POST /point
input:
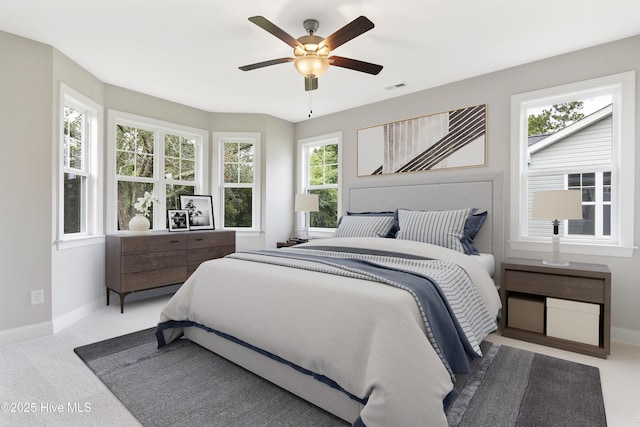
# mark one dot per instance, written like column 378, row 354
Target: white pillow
column 364, row 226
column 442, row 228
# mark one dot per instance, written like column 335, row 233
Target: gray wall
column 76, row 293
column 25, row 206
column 495, row 90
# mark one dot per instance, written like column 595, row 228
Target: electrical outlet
column 37, row 297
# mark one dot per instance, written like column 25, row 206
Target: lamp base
column 555, row 251
column 557, row 263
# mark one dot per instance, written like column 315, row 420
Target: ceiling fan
column 311, row 52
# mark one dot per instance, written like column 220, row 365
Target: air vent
column 397, row 86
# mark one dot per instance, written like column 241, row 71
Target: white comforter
column 368, row 337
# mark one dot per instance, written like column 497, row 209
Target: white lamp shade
column 306, row 203
column 557, row 204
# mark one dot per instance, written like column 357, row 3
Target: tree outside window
column 79, row 171
column 239, row 181
column 163, row 159
column 135, row 149
column 75, row 171
column 321, row 176
column 179, row 169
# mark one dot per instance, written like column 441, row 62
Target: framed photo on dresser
column 200, row 211
column 178, row 220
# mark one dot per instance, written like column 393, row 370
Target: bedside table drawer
column 554, row 285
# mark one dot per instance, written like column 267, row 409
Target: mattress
column 487, row 261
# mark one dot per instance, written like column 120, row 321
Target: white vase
column 139, row 223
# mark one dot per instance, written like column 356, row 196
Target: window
column 596, row 204
column 321, row 173
column 79, row 190
column 578, row 137
column 240, row 181
column 165, row 159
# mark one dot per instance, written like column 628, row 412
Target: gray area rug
column 185, row 384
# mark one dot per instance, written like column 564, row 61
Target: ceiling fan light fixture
column 311, row 65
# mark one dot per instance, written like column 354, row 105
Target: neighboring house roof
column 535, row 138
column 539, row 142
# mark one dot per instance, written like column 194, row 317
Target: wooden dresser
column 137, row 262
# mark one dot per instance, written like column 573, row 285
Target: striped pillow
column 391, row 233
column 442, row 228
column 364, row 226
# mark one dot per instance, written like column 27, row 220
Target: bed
column 354, row 323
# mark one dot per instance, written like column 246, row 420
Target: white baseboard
column 67, row 319
column 24, row 333
column 37, row 330
column 628, row 336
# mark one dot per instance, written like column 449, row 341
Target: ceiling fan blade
column 266, row 63
column 354, row 64
column 272, row 28
column 350, row 31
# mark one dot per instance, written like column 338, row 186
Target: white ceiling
column 189, row 51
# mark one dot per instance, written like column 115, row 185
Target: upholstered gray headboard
column 485, row 192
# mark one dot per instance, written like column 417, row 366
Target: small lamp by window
column 306, row 203
column 557, row 205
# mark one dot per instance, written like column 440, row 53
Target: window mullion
column 599, row 206
column 159, row 186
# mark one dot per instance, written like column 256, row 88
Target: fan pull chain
column 310, row 105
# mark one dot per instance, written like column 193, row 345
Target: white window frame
column 304, row 146
column 622, row 86
column 218, row 180
column 598, row 204
column 92, row 212
column 160, row 128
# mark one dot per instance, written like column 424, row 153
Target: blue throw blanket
column 443, row 329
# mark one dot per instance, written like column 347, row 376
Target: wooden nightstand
column 285, row 244
column 291, row 242
column 585, row 283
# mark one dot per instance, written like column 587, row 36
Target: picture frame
column 448, row 140
column 200, row 210
column 178, row 219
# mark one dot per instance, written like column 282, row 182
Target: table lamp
column 306, row 203
column 557, row 205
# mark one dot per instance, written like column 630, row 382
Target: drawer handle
column 199, row 239
column 175, row 241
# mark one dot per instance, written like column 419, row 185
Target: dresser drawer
column 153, row 243
column 149, row 279
column 212, row 238
column 554, row 285
column 152, row 261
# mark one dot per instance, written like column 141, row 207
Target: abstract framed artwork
column 452, row 139
column 200, row 210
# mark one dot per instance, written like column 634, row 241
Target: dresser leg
column 122, row 295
